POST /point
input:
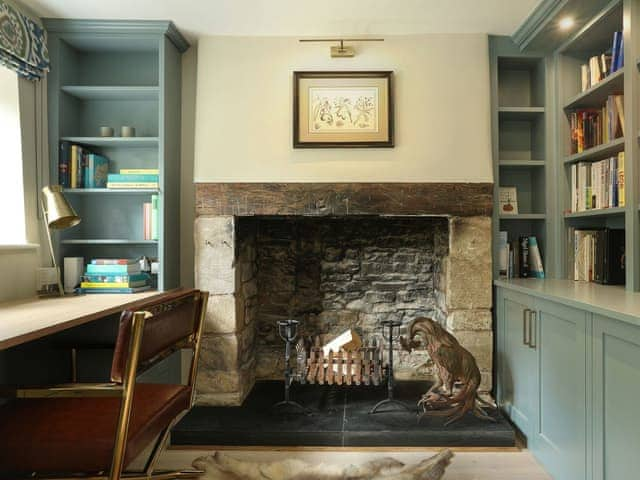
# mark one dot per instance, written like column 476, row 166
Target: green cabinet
column 516, row 361
column 616, row 392
column 570, row 380
column 559, row 437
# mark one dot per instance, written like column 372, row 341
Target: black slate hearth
column 339, row 417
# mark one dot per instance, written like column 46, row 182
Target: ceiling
column 305, row 17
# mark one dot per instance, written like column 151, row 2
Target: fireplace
column 335, row 257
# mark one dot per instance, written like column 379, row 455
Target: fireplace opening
column 339, row 274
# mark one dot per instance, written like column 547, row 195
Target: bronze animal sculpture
column 455, row 367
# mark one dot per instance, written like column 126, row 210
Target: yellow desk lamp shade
column 60, row 214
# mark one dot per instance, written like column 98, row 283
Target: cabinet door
column 559, row 440
column 616, row 387
column 517, row 362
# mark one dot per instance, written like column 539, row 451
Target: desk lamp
column 58, row 214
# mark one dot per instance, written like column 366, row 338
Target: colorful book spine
column 615, row 50
column 134, row 185
column 96, row 171
column 113, row 284
column 621, row 189
column 536, row 269
column 115, row 290
column 73, row 183
column 64, row 159
column 139, row 171
column 135, row 277
column 141, row 178
column 146, row 221
column 155, row 221
column 114, row 261
column 113, row 269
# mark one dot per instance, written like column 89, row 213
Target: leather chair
column 98, row 429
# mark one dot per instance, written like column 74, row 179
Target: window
column 12, row 221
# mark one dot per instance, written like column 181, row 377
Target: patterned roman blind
column 23, row 42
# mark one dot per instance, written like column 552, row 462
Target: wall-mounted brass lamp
column 342, row 51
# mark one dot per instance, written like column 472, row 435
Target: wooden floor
column 468, row 464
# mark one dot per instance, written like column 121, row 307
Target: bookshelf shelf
column 600, row 212
column 597, row 95
column 110, row 191
column 115, row 142
column 85, row 92
column 599, row 152
column 520, row 113
column 108, row 241
column 524, row 216
column 521, row 163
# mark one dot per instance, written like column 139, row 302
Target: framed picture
column 342, row 109
column 508, row 200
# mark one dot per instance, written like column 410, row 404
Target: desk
column 29, row 319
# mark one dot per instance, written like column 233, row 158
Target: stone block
column 214, row 254
column 470, row 237
column 224, row 388
column 222, row 315
column 469, row 320
column 468, row 283
column 219, row 352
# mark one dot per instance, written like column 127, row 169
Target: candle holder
column 390, row 324
column 288, row 331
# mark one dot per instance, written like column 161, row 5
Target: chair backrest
column 174, row 323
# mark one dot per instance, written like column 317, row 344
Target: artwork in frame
column 342, row 109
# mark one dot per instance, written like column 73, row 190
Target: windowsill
column 20, row 247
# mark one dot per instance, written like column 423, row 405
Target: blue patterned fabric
column 23, row 43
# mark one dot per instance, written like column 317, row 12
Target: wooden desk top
column 29, row 319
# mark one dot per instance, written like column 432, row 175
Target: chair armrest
column 65, row 390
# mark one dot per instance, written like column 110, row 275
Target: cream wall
column 244, row 111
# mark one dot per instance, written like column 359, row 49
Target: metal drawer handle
column 532, row 329
column 525, row 329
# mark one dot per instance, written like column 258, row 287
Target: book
column 96, row 171
column 114, row 261
column 146, row 220
column 503, row 254
column 536, row 268
column 596, row 185
column 97, row 278
column 73, row 183
column 132, row 178
column 124, row 185
column 139, row 171
column 620, row 183
column 615, row 51
column 115, row 290
column 524, row 256
column 112, row 269
column 131, row 284
column 599, row 256
column 508, row 200
column 64, row 159
column 155, row 220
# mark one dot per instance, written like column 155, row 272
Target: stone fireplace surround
column 242, row 240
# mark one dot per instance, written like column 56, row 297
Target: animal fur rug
column 221, row 466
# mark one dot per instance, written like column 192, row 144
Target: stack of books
column 78, row 167
column 601, row 66
column 114, row 275
column 598, row 185
column 598, row 255
column 521, row 258
column 594, row 126
column 134, row 178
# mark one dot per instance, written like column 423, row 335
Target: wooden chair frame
column 125, row 390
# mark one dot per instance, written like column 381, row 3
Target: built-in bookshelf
column 519, row 105
column 118, row 73
column 533, row 147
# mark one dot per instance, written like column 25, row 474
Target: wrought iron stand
column 288, row 331
column 390, row 324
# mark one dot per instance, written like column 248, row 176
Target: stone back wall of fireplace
column 333, row 274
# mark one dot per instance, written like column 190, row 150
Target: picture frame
column 508, row 200
column 343, row 109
